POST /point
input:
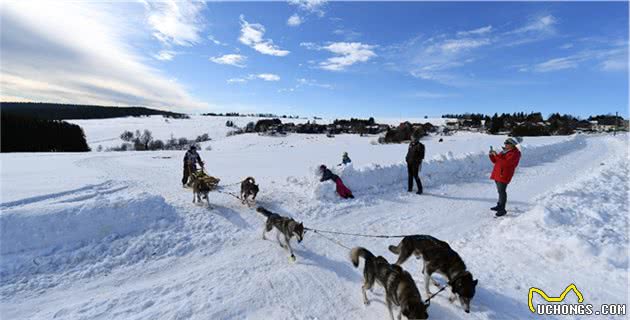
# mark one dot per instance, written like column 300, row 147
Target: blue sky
column 322, row 58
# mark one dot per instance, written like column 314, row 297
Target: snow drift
column 442, row 169
column 72, row 227
column 71, row 221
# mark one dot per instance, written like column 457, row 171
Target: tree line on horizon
column 59, row 111
column 533, row 123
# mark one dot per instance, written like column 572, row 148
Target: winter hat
column 193, row 147
column 345, row 154
column 322, row 167
column 512, row 141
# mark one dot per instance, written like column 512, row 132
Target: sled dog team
column 400, row 288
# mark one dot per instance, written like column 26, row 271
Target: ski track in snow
column 178, row 260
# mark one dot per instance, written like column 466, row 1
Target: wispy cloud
column 294, row 20
column 544, row 23
column 614, row 58
column 233, row 59
column 259, row 76
column 215, row 41
column 236, row 80
column 304, row 82
column 310, row 6
column 165, row 55
column 313, row 83
column 429, row 95
column 252, row 36
column 619, row 63
column 478, row 31
column 538, row 28
column 347, row 34
column 268, row 77
column 456, row 45
column 557, row 64
column 86, row 59
column 346, row 54
column 176, row 22
column 440, row 57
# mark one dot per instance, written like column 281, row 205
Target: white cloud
column 347, row 34
column 346, row 54
column 478, row 31
column 614, row 58
column 215, row 41
column 556, row 64
column 236, row 60
column 313, row 83
column 566, row 46
column 619, row 63
column 252, row 36
column 260, row 76
column 165, row 55
column 86, row 59
column 304, row 82
column 294, row 20
column 456, row 45
column 310, row 6
column 176, row 22
column 268, row 77
column 236, row 80
column 538, row 24
column 429, row 95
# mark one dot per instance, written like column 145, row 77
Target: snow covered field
column 112, row 235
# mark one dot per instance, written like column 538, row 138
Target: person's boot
column 419, row 191
column 495, row 208
column 500, row 212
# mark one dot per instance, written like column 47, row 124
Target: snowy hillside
column 112, row 235
column 106, row 132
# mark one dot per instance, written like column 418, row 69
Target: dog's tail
column 251, row 179
column 357, row 252
column 264, row 212
column 396, row 249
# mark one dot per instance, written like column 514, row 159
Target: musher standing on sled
column 190, row 160
column 505, row 164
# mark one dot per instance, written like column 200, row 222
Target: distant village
column 516, row 124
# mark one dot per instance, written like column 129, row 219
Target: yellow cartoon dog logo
column 552, row 299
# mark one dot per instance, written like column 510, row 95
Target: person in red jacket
column 505, row 164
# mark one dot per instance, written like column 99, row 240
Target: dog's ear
column 475, row 283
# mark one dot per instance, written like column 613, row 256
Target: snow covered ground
column 112, row 235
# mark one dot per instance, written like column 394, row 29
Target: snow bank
column 442, row 169
column 70, row 227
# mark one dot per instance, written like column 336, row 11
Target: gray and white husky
column 400, row 289
column 438, row 256
column 285, row 226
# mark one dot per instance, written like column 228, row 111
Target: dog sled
column 200, row 175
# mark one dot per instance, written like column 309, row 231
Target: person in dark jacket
column 191, row 159
column 342, row 190
column 415, row 155
column 345, row 159
column 505, row 164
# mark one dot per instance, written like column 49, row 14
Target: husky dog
column 248, row 188
column 400, row 289
column 200, row 190
column 285, row 226
column 438, row 256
